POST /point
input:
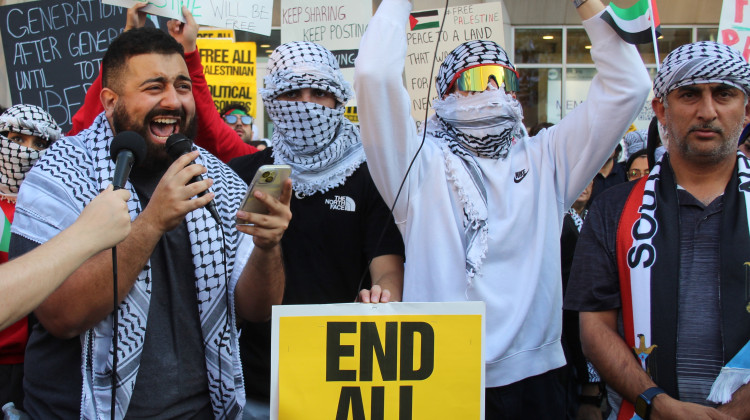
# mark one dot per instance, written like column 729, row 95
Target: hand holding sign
column 185, row 33
column 136, row 18
column 244, row 15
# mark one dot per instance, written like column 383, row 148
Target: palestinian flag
column 634, row 23
column 424, row 20
column 4, row 232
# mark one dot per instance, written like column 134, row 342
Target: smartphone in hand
column 269, row 179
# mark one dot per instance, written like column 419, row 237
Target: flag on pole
column 636, row 24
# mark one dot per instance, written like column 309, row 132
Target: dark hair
column 539, row 127
column 634, row 156
column 234, row 105
column 653, row 142
column 135, row 42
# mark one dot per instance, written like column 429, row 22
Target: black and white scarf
column 72, row 172
column 321, row 145
column 485, row 124
column 17, row 160
column 648, row 264
column 702, row 62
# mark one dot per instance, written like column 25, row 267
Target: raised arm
column 213, row 134
column 585, row 138
column 388, row 131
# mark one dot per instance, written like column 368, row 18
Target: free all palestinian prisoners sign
column 229, row 68
column 374, row 362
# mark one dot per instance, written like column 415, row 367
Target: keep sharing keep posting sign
column 374, row 362
column 242, row 15
column 734, row 26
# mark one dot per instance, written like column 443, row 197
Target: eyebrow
column 162, row 79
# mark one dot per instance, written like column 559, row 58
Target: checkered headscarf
column 17, row 160
column 699, row 63
column 321, row 145
column 466, row 55
column 30, row 120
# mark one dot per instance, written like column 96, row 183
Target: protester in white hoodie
column 482, row 207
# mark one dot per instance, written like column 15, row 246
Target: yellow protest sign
column 230, row 71
column 374, row 362
column 216, row 33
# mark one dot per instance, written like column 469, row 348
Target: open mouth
column 163, row 127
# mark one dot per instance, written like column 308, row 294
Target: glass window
column 537, row 46
column 540, row 94
column 672, row 38
column 579, row 47
column 708, row 34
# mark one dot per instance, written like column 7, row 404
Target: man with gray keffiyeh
column 482, row 206
column 183, row 276
column 662, row 269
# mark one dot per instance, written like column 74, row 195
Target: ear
column 747, row 112
column 109, row 99
column 659, row 110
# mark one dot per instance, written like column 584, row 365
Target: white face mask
column 487, row 123
column 15, row 162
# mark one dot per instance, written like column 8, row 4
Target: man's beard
column 157, row 159
column 717, row 154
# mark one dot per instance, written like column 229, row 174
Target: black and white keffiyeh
column 30, row 120
column 17, row 160
column 321, row 145
column 70, row 174
column 699, row 63
column 481, row 125
column 469, row 54
column 15, row 163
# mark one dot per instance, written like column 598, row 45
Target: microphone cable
column 414, row 158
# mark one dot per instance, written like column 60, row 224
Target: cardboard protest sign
column 388, row 361
column 216, row 33
column 242, row 15
column 53, row 51
column 335, row 24
column 462, row 23
column 230, row 71
column 734, row 26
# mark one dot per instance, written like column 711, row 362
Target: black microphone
column 126, row 149
column 177, row 145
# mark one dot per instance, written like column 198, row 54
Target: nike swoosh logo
column 520, row 175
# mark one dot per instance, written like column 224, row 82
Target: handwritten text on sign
column 242, row 15
column 53, row 51
column 462, row 23
column 366, row 365
column 734, row 26
column 335, row 24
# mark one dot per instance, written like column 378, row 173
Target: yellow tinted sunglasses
column 476, row 79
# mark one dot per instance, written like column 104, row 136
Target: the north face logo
column 342, row 203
